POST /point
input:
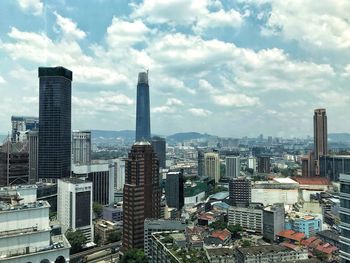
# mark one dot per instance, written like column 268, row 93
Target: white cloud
column 235, row 100
column 204, row 85
column 69, row 28
column 199, row 112
column 2, row 80
column 163, row 109
column 174, row 102
column 34, row 6
column 333, row 98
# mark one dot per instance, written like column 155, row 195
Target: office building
column 105, row 229
column 119, row 180
column 159, row 146
column 201, row 164
column 25, row 232
column 33, row 147
column 249, row 218
column 240, row 191
column 308, row 165
column 74, row 206
column 212, row 166
column 81, row 147
column 333, row 165
column 14, row 163
column 264, row 164
column 142, row 193
column 55, row 92
column 252, row 163
column 143, row 119
column 344, row 213
column 320, row 136
column 159, row 225
column 174, row 190
column 102, row 178
column 273, row 221
column 233, row 167
column 21, row 124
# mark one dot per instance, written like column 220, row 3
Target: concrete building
column 74, row 206
column 104, row 229
column 55, row 119
column 159, row 225
column 264, row 164
column 33, row 147
column 273, row 221
column 102, row 178
column 142, row 193
column 320, row 136
column 212, row 166
column 119, row 180
column 25, row 232
column 333, row 165
column 81, row 147
column 308, row 165
column 307, row 224
column 250, row 218
column 174, row 190
column 240, row 191
column 233, row 166
column 22, row 124
column 159, row 146
column 252, row 163
column 344, row 214
column 220, row 255
column 201, row 164
column 114, row 214
column 269, row 253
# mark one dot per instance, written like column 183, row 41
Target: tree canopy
column 98, row 209
column 76, row 240
column 134, row 256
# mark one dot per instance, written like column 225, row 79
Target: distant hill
column 185, row 136
column 339, row 137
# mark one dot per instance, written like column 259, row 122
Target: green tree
column 235, row 230
column 98, row 240
column 76, row 240
column 246, row 243
column 320, row 255
column 218, row 225
column 98, row 209
column 115, row 236
column 134, row 256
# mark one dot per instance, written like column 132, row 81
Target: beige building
column 105, row 229
column 212, row 166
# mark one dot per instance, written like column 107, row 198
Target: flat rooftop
column 5, row 207
column 257, row 250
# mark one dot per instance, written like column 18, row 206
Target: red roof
column 289, row 245
column 206, row 217
column 312, row 180
column 307, row 242
column 292, row 235
column 221, row 234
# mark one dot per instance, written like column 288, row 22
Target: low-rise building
column 273, row 221
column 105, row 229
column 220, row 255
column 114, row 214
column 250, row 218
column 307, row 224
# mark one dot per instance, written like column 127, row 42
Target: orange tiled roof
column 292, row 235
column 221, row 234
column 289, row 245
column 312, row 180
column 308, row 242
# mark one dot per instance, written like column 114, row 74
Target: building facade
column 33, row 147
column 252, row 163
column 320, row 136
column 159, row 146
column 21, row 124
column 273, row 221
column 174, row 190
column 240, row 191
column 212, row 166
column 142, row 193
column 201, row 163
column 55, row 94
column 333, row 165
column 81, row 147
column 250, row 218
column 264, row 164
column 233, row 166
column 344, row 214
column 143, row 119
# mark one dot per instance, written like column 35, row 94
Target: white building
column 233, row 166
column 74, row 206
column 212, row 166
column 250, row 218
column 252, row 163
column 81, row 147
column 119, row 174
column 25, row 233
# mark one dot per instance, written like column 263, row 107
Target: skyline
column 255, row 72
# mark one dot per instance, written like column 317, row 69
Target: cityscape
column 90, row 173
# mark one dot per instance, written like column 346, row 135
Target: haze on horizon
column 227, row 68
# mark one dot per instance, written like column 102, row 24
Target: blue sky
column 225, row 67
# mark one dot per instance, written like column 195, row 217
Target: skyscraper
column 174, row 190
column 320, row 136
column 240, row 191
column 233, row 166
column 142, row 193
column 344, row 214
column 201, row 165
column 81, row 147
column 212, row 166
column 143, row 122
column 55, row 92
column 33, row 144
column 264, row 164
column 159, row 146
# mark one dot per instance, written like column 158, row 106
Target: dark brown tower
column 320, row 136
column 142, row 193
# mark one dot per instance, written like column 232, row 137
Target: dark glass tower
column 320, row 136
column 159, row 146
column 143, row 122
column 55, row 92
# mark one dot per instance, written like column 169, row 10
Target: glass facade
column 332, row 166
column 54, row 155
column 143, row 122
column 344, row 214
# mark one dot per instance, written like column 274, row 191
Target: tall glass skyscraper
column 143, row 122
column 55, row 92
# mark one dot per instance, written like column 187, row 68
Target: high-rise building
column 174, row 190
column 21, row 124
column 55, row 92
column 344, row 213
column 308, row 165
column 320, row 136
column 14, row 163
column 142, row 193
column 201, row 165
column 102, row 178
column 331, row 166
column 143, row 119
column 74, row 206
column 273, row 221
column 33, row 145
column 233, row 167
column 119, row 171
column 212, row 166
column 264, row 164
column 159, row 146
column 81, row 147
column 252, row 163
column 240, row 191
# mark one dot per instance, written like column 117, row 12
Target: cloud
column 2, row 80
column 199, row 112
column 69, row 28
column 163, row 109
column 204, row 85
column 174, row 102
column 235, row 100
column 33, row 6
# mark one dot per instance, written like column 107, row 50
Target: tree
column 115, row 236
column 218, row 225
column 246, row 243
column 320, row 255
column 76, row 240
column 98, row 209
column 235, row 229
column 134, row 256
column 97, row 240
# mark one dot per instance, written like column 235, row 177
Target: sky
column 231, row 68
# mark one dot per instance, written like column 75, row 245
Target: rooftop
column 220, row 252
column 6, row 207
column 265, row 249
column 312, row 180
column 220, row 195
column 292, row 235
column 221, row 234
